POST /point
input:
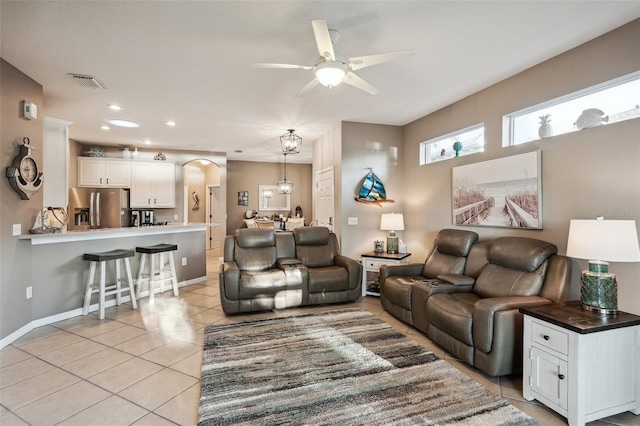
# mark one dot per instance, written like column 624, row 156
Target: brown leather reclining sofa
column 265, row 270
column 466, row 295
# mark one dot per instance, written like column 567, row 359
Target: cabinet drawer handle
column 561, row 376
column 546, row 337
column 100, row 180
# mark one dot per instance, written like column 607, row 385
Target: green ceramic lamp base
column 392, row 243
column 599, row 289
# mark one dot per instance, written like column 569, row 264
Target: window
column 471, row 141
column 606, row 103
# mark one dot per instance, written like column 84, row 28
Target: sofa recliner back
column 266, row 270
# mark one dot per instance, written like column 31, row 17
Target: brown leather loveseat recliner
column 265, row 270
column 475, row 315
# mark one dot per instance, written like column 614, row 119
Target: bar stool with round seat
column 102, row 287
column 157, row 272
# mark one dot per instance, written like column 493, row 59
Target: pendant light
column 285, row 186
column 290, row 142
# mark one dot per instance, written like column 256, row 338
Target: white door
column 214, row 231
column 324, row 198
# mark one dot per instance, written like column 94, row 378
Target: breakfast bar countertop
column 105, row 233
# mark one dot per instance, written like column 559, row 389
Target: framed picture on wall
column 505, row 192
column 243, row 198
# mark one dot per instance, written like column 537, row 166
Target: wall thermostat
column 29, row 110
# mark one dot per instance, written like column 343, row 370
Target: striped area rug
column 336, row 367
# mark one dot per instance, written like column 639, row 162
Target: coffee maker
column 146, row 217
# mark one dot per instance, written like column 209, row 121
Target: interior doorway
column 214, row 215
column 324, row 213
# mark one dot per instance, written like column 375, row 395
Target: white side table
column 371, row 263
column 583, row 365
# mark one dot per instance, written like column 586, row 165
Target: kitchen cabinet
column 153, row 185
column 103, row 173
column 582, row 365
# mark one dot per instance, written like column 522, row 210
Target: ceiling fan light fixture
column 291, row 143
column 330, row 73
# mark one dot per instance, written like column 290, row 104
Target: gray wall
column 15, row 256
column 584, row 174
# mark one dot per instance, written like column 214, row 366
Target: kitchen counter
column 106, row 233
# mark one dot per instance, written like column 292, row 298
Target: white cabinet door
column 118, row 174
column 90, row 173
column 163, row 185
column 549, row 377
column 153, row 185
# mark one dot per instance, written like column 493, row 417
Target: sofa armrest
column 230, row 280
column 288, row 262
column 483, row 316
column 354, row 269
column 457, row 279
column 400, row 269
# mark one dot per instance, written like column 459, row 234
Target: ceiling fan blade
column 356, row 81
column 306, row 89
column 285, row 66
column 360, row 62
column 323, row 39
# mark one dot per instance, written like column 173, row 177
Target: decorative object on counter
column 372, row 190
column 135, row 154
column 160, row 157
column 291, row 143
column 285, row 186
column 23, row 175
column 299, row 211
column 457, row 147
column 392, row 222
column 591, row 117
column 243, row 198
column 126, row 154
column 196, row 201
column 60, row 219
column 378, row 246
column 504, row 192
column 250, row 214
column 41, row 224
column 545, row 130
column 604, row 241
column 96, row 151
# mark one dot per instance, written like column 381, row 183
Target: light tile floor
column 143, row 367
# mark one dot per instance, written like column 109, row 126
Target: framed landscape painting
column 505, row 192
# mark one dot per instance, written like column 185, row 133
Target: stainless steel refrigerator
column 93, row 208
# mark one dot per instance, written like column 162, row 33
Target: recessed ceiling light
column 123, row 123
column 105, row 127
column 170, row 123
column 147, row 142
column 115, row 107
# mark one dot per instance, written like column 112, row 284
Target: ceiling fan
column 331, row 71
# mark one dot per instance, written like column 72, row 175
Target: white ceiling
column 189, row 61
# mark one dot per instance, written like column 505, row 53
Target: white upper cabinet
column 153, row 185
column 103, row 173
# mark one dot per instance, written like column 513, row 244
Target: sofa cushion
column 525, row 254
column 498, row 281
column 456, row 242
column 453, row 314
column 254, row 237
column 261, row 283
column 397, row 289
column 327, row 279
column 311, row 236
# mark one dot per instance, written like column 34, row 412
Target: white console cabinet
column 582, row 365
column 103, row 173
column 153, row 185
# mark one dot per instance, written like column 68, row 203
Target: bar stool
column 157, row 272
column 108, row 289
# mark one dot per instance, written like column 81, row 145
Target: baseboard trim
column 78, row 312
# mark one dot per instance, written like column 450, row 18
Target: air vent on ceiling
column 87, row 81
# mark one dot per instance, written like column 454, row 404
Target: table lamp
column 603, row 241
column 392, row 222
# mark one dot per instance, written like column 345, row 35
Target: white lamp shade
column 605, row 240
column 330, row 73
column 392, row 222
